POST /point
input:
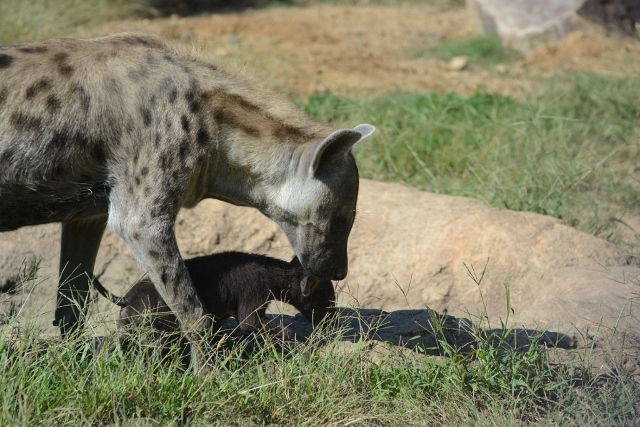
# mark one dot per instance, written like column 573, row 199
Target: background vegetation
column 569, row 152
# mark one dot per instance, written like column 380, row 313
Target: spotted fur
column 126, row 129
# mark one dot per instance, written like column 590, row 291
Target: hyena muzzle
column 126, row 129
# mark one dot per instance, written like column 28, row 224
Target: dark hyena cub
column 125, row 130
column 232, row 284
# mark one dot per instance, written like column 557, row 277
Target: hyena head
column 316, row 205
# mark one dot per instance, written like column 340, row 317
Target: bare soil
column 368, row 49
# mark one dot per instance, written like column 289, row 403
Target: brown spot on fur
column 202, row 137
column 146, row 116
column 24, row 122
column 141, row 40
column 5, row 60
column 283, row 131
column 53, row 104
column 104, row 55
column 226, row 117
column 155, row 212
column 163, row 276
column 173, row 95
column 147, row 191
column 184, row 121
column 137, row 74
column 85, row 99
column 58, row 141
column 183, row 149
column 130, row 189
column 113, row 84
column 60, row 60
column 40, row 85
column 136, row 235
column 4, row 94
column 157, row 140
column 162, row 161
column 241, row 102
column 144, row 171
column 33, row 49
column 137, row 180
column 169, row 58
column 167, row 86
column 130, row 125
column 154, row 254
column 231, row 116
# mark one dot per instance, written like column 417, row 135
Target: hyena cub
column 125, row 130
column 232, row 284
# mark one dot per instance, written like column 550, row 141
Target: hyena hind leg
column 80, row 241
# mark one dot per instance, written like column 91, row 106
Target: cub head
column 316, row 205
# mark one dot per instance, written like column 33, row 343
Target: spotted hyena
column 126, row 129
column 234, row 284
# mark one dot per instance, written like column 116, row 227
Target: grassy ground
column 59, row 383
column 571, row 152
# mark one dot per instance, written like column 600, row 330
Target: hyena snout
column 330, row 266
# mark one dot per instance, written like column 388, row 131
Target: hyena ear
column 334, row 147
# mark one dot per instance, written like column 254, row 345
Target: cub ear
column 308, row 285
column 334, row 147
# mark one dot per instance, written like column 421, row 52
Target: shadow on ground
column 413, row 329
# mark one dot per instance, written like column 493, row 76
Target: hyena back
column 126, row 129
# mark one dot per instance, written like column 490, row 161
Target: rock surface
column 521, row 24
column 409, row 250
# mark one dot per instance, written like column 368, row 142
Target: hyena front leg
column 80, row 241
column 150, row 235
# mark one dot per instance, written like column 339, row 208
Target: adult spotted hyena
column 126, row 129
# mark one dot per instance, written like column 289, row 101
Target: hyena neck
column 258, row 142
column 251, row 173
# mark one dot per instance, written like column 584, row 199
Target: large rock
column 408, row 250
column 521, row 24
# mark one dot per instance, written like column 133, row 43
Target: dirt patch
column 351, row 50
column 583, row 51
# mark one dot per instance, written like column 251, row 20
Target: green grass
column 483, row 51
column 569, row 152
column 60, row 384
column 28, row 20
